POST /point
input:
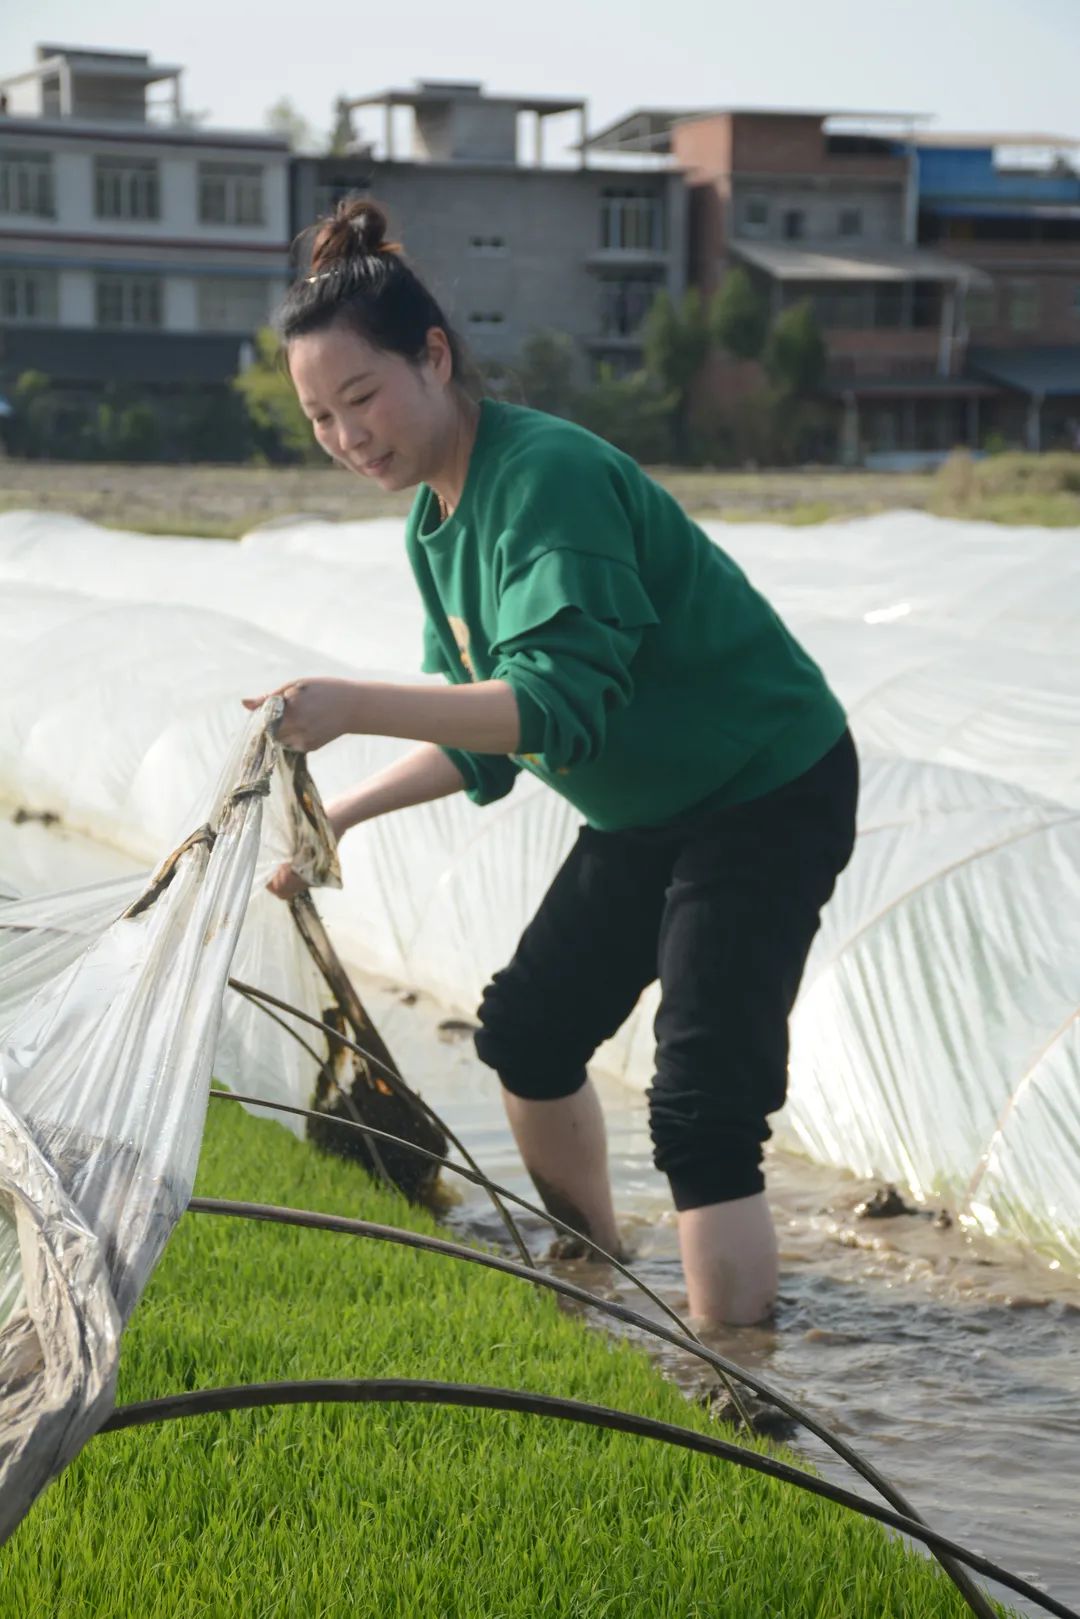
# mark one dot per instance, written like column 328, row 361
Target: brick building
column 944, row 270
column 138, row 245
column 1010, row 205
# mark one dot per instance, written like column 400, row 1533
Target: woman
column 590, row 633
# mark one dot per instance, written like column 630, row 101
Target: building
column 135, row 245
column 823, row 207
column 1010, row 205
column 511, row 243
column 138, row 246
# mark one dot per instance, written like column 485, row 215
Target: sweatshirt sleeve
column 569, row 625
column 487, row 776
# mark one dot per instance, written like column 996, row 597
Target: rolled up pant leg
column 740, row 916
column 579, row 968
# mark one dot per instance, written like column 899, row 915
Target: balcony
column 614, row 259
column 884, row 355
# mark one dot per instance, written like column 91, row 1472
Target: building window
column 28, row 296
column 794, row 224
column 126, row 190
column 485, row 319
column 850, row 222
column 624, row 305
column 755, row 216
column 1023, row 306
column 230, row 194
column 128, row 300
column 26, row 184
column 488, row 247
column 981, row 308
column 228, row 305
column 331, row 192
column 631, row 220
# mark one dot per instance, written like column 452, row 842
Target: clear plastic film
column 935, row 1040
column 110, row 1026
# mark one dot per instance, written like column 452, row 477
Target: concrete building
column 134, row 245
column 513, row 244
column 823, row 207
column 1010, row 204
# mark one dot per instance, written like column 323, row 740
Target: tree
column 630, row 412
column 342, row 134
column 285, row 119
column 282, row 428
column 546, row 372
column 34, row 407
column 677, row 342
column 739, row 317
column 795, row 354
column 212, row 424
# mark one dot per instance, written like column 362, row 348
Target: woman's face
column 373, row 411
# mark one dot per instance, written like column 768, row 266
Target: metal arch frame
column 976, row 1600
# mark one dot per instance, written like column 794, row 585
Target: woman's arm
column 421, row 776
column 481, row 718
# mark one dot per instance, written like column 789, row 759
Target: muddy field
column 224, row 502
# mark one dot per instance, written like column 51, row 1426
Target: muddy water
column 954, row 1365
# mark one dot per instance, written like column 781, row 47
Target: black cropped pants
column 722, row 906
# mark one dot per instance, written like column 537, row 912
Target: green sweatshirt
column 649, row 674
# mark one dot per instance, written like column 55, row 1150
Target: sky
column 1002, row 65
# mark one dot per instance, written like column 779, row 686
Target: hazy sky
column 975, row 64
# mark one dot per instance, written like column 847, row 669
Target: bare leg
column 729, row 1261
column 564, row 1147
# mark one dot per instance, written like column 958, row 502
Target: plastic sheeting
column 110, row 1014
column 936, row 1040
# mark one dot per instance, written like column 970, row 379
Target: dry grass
column 224, row 502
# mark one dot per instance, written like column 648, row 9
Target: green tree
column 739, row 317
column 342, row 134
column 138, row 433
column 633, row 413
column 677, row 342
column 795, row 354
column 282, row 430
column 34, row 405
column 285, row 119
column 212, row 424
column 546, row 372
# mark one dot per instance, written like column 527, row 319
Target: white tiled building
column 133, row 244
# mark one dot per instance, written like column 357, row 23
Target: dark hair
column 362, row 280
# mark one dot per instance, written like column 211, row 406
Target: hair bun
column 357, row 229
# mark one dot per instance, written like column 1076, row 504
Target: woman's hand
column 317, row 711
column 286, row 883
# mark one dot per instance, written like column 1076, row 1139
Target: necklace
column 444, row 510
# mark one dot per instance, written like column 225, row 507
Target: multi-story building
column 823, row 207
column 137, row 245
column 513, row 244
column 1010, row 204
column 944, row 270
column 134, row 245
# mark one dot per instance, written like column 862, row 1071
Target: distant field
column 224, row 502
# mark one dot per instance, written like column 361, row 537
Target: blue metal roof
column 955, row 173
